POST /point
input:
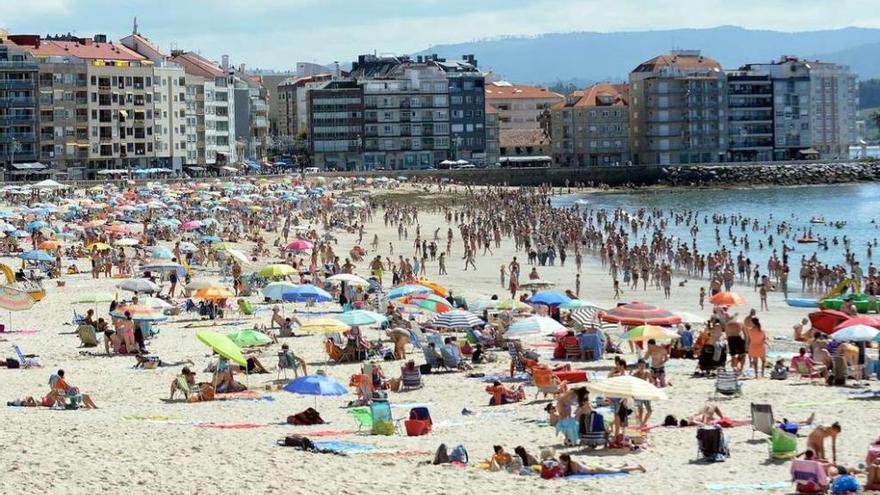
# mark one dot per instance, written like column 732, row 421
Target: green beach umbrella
column 222, row 345
column 249, row 338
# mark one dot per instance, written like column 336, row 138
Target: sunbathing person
column 503, row 395
column 569, row 467
column 26, row 402
column 816, row 441
column 526, row 458
column 705, row 416
column 292, row 360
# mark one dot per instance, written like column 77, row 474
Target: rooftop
column 503, row 90
column 598, row 95
column 84, row 48
column 681, row 60
column 195, row 64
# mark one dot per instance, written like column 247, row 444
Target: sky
column 276, row 34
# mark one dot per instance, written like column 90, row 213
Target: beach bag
column 779, row 374
column 12, row 363
column 441, row 456
column 549, row 469
column 459, row 454
column 298, row 442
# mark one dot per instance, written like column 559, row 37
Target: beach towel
column 231, row 426
column 746, row 487
column 245, row 395
column 593, row 476
column 396, row 453
column 346, row 447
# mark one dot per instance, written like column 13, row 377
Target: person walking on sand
column 441, row 262
column 469, row 260
column 577, row 284
column 616, row 289
column 503, row 275
column 702, row 298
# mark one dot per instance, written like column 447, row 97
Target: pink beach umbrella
column 192, row 225
column 299, row 245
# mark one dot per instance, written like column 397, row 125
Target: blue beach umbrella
column 306, row 293
column 36, row 255
column 315, row 385
column 276, row 290
column 360, row 317
column 550, row 298
column 408, row 290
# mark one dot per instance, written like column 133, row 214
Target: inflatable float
column 801, row 302
column 861, row 301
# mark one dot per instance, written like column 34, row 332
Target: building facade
column 591, row 127
column 18, row 109
column 750, row 106
column 251, row 116
column 814, row 107
column 678, row 110
column 336, row 125
column 520, row 106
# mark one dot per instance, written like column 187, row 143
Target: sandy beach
column 137, row 443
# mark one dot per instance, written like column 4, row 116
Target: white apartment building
column 169, row 116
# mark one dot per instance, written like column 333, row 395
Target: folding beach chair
column 545, row 381
column 727, row 383
column 592, row 430
column 410, row 379
column 762, row 419
column 87, row 335
column 362, row 416
column 809, row 476
column 712, row 444
column 24, row 360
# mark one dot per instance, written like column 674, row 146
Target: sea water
column 856, row 204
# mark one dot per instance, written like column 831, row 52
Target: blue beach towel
column 594, row 476
column 347, row 447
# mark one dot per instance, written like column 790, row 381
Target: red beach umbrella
column 827, row 320
column 636, row 313
column 871, row 321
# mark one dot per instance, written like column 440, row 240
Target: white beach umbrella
column 348, row 278
column 626, row 387
column 138, row 285
column 534, row 325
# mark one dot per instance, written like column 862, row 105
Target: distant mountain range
column 588, row 57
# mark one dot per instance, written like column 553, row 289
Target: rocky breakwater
column 779, row 174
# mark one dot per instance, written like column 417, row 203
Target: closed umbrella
column 456, row 319
column 626, row 387
column 222, row 345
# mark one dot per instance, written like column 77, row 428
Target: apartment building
column 493, row 152
column 520, row 106
column 467, row 127
column 750, row 106
column 169, row 103
column 293, row 105
column 678, row 110
column 251, row 114
column 209, row 87
column 814, row 107
column 18, row 112
column 336, row 125
column 590, row 127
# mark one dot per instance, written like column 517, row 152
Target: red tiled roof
column 86, row 49
column 686, row 62
column 490, row 108
column 197, row 65
column 598, row 95
column 496, row 91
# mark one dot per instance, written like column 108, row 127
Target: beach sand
column 137, row 443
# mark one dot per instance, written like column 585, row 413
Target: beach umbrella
column 437, row 288
column 299, row 245
column 222, row 345
column 827, row 320
column 577, row 303
column 249, row 338
column 727, row 299
column 856, row 333
column 430, row 302
column 138, row 312
column 14, row 300
column 498, row 305
column 408, row 290
column 324, row 325
column 48, row 184
column 155, row 303
column 191, row 225
column 536, row 284
column 276, row 271
column 48, row 245
column 199, row 284
column 213, row 293
column 648, row 332
column 138, row 285
column 306, row 293
column 36, row 255
column 164, row 266
column 209, row 238
column 238, row 256
column 188, row 247
column 534, row 325
column 161, row 253
column 98, row 246
column 360, row 317
column 222, row 246
column 116, row 229
column 95, row 298
column 275, row 291
column 871, row 321
column 550, row 298
column 36, row 224
column 126, row 242
column 626, row 386
column 635, row 313
column 316, row 385
column 349, row 279
column 456, row 319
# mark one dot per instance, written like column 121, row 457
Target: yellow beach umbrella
column 324, row 325
column 276, row 271
column 99, row 246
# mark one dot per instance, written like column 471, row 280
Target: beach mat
column 747, row 487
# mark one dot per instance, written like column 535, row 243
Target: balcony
column 16, row 84
column 17, row 119
column 18, row 136
column 18, row 64
column 16, row 102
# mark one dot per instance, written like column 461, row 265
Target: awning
column 112, row 171
column 29, row 166
column 808, row 151
column 229, row 169
column 516, row 159
column 197, row 169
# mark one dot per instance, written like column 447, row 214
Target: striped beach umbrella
column 360, row 318
column 408, row 290
column 138, row 312
column 626, row 386
column 534, row 325
column 635, row 314
column 430, row 302
column 456, row 319
column 14, row 299
column 648, row 332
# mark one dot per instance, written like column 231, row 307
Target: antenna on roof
column 134, row 27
